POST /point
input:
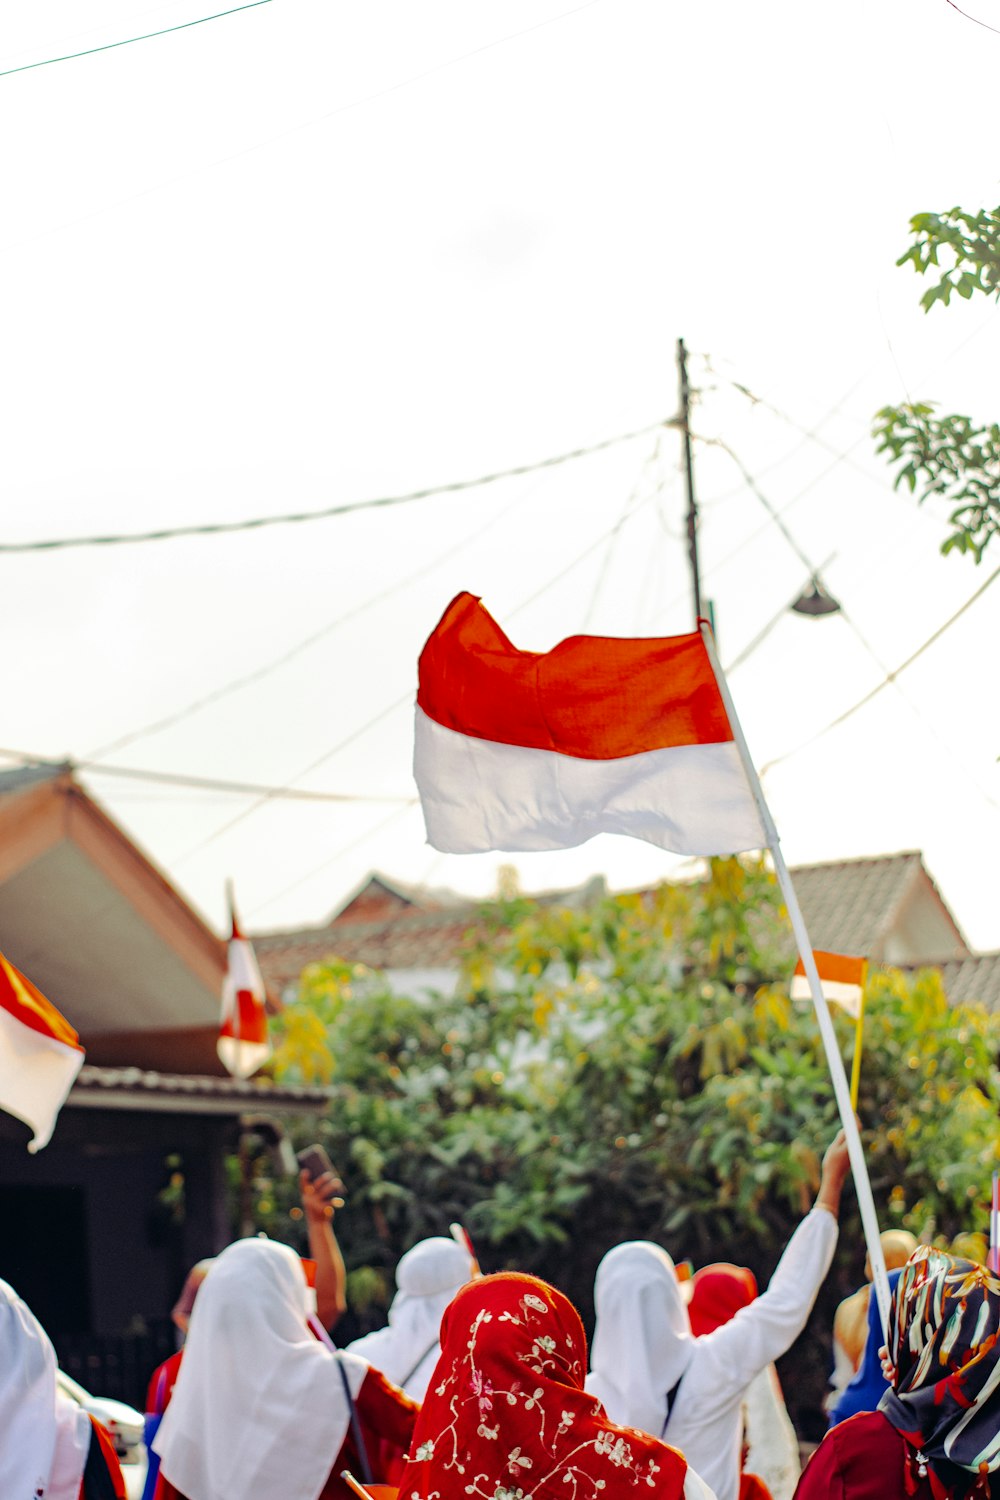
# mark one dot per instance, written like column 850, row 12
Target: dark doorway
column 44, row 1254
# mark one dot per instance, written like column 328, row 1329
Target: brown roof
column 377, row 898
column 421, row 940
column 415, row 928
column 850, row 905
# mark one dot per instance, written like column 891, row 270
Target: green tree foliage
column 950, row 458
column 632, row 1068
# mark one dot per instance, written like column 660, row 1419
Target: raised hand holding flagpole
column 842, row 1092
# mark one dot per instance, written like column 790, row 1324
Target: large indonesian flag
column 520, row 750
column 841, row 977
column 40, row 1055
column 244, row 1044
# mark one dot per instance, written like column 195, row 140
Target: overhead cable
column 218, row 528
column 167, row 721
column 201, row 783
column 397, row 703
column 772, row 511
column 886, row 681
column 127, row 41
column 331, row 859
column 976, row 19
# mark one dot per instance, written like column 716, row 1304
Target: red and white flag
column 841, row 976
column 40, row 1055
column 244, row 1044
column 520, row 750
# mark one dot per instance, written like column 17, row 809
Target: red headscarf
column 718, row 1293
column 506, row 1415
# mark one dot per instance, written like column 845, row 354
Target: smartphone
column 316, row 1162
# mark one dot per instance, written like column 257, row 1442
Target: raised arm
column 318, row 1198
column 762, row 1332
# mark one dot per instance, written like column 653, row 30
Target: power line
column 127, row 41
column 330, row 860
column 270, row 794
column 771, row 510
column 306, row 124
column 765, row 631
column 812, row 435
column 886, row 681
column 202, row 783
column 397, row 703
column 976, row 19
column 218, row 528
column 247, row 678
column 630, row 501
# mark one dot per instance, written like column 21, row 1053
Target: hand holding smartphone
column 324, row 1179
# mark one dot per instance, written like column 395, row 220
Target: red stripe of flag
column 592, row 697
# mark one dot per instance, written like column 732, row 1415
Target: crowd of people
column 480, row 1387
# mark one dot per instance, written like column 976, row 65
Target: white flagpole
column 841, row 1089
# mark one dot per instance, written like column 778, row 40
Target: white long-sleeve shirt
column 643, row 1347
column 706, row 1419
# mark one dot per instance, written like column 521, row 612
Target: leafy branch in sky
column 950, row 458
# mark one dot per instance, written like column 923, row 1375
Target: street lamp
column 815, row 600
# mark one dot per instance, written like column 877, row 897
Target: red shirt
column 864, row 1458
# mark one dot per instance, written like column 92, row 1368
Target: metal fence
column 118, row 1365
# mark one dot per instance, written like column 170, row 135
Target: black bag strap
column 410, row 1373
column 359, row 1440
column 671, row 1398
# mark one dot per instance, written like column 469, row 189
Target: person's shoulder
column 850, row 1323
column 866, row 1432
column 851, row 1306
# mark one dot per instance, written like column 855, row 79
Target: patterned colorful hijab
column 506, row 1416
column 944, row 1340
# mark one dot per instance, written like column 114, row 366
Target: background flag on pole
column 244, row 1044
column 842, row 978
column 40, row 1055
column 520, row 750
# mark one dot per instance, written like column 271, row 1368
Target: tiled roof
column 848, row 905
column 421, row 940
column 428, row 934
column 190, row 1093
column 377, row 895
column 976, row 978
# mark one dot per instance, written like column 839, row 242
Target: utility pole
column 692, row 513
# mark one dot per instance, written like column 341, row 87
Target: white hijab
column 427, row 1278
column 642, row 1335
column 259, row 1406
column 44, row 1437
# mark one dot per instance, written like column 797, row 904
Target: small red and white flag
column 244, row 1044
column 842, row 979
column 520, row 750
column 40, row 1055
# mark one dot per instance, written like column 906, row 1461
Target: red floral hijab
column 506, row 1416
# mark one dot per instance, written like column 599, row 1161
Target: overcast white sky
column 310, row 254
